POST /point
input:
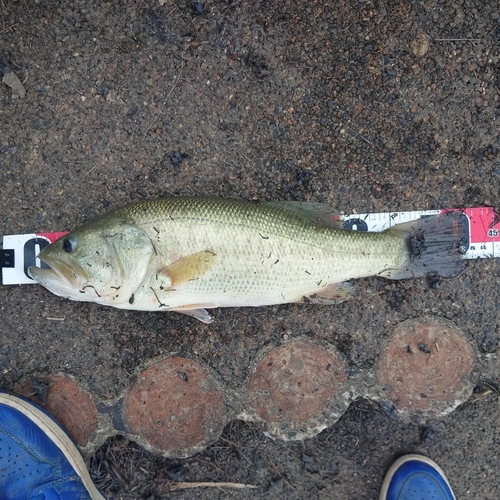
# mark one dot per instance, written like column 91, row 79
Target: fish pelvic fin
column 191, row 267
column 334, row 293
column 434, row 244
column 200, row 314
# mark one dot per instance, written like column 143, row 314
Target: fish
column 190, row 254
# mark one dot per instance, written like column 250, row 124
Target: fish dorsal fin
column 315, row 212
column 189, row 268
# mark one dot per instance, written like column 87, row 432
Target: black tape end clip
column 6, row 258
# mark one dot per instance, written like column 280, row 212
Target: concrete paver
column 426, row 367
column 176, row 406
column 60, row 396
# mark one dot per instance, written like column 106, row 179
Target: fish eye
column 69, row 244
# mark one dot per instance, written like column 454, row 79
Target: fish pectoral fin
column 200, row 314
column 189, row 268
column 334, row 293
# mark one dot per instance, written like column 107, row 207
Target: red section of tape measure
column 52, row 236
column 484, row 224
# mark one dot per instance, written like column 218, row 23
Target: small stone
column 275, row 487
column 177, row 473
column 428, row 435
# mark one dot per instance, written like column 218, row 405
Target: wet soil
column 367, row 106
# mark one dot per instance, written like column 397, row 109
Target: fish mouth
column 61, row 278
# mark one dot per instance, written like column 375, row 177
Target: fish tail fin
column 435, row 244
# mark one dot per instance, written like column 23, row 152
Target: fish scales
column 264, row 254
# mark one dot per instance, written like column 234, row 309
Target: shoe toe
column 417, row 479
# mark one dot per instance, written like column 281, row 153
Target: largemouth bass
column 189, row 254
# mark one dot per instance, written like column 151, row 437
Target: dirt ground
column 365, row 105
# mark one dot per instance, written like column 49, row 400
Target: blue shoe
column 38, row 460
column 415, row 477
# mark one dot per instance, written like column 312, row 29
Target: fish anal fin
column 334, row 293
column 188, row 268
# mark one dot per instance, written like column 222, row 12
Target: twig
column 213, row 465
column 491, row 386
column 458, row 39
column 92, row 169
column 227, row 441
column 117, row 473
column 172, row 11
column 364, row 139
column 9, row 27
column 185, row 486
column 280, row 474
column 177, row 79
column 237, row 448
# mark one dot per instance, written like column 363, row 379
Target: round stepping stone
column 425, row 368
column 296, row 390
column 175, row 408
column 66, row 402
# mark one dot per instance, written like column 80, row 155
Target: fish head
column 104, row 261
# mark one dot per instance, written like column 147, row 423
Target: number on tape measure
column 31, row 250
column 355, row 225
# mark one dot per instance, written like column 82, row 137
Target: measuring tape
column 483, row 227
column 482, row 240
column 20, row 251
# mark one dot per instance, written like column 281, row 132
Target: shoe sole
column 406, row 458
column 58, row 436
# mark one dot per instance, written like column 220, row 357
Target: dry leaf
column 420, row 46
column 18, row 90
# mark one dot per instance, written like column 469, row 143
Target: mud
column 367, row 106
